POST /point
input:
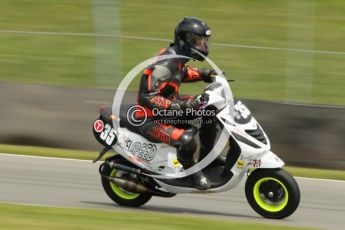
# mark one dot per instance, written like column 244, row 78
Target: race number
column 108, row 135
column 242, row 110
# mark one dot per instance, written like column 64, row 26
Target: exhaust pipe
column 114, row 165
column 133, row 187
column 129, row 186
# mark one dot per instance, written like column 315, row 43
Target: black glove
column 196, row 102
column 203, row 98
column 207, row 74
column 192, row 103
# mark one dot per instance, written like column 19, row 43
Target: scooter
column 140, row 168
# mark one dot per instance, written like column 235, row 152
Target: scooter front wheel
column 272, row 193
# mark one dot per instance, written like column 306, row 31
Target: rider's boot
column 199, row 179
column 186, row 158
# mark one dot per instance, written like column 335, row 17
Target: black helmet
column 192, row 33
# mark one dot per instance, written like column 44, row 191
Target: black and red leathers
column 159, row 89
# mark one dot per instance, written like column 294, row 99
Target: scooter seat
column 106, row 112
column 124, row 120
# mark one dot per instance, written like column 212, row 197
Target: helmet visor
column 198, row 42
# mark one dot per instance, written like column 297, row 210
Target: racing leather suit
column 159, row 89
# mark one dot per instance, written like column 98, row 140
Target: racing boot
column 200, row 181
column 185, row 155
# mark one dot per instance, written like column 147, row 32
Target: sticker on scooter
column 242, row 113
column 142, row 150
column 98, row 126
column 256, row 163
column 240, row 163
column 176, row 163
column 108, row 135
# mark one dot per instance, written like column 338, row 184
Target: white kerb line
column 169, row 40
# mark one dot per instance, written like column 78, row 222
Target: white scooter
column 141, row 169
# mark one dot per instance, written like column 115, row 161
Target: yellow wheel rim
column 264, row 201
column 120, row 191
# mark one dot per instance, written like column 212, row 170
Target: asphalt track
column 76, row 183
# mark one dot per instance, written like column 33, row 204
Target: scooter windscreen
column 220, row 89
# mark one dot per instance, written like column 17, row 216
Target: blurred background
column 60, row 60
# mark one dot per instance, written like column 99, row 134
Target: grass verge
column 13, row 216
column 89, row 155
column 263, row 74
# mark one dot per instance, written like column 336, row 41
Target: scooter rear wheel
column 120, row 195
column 272, row 193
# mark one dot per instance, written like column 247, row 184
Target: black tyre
column 273, row 193
column 120, row 195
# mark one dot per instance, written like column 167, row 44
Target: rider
column 159, row 90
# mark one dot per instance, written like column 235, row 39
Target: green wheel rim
column 270, row 207
column 121, row 192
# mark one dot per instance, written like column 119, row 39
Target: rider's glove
column 203, row 98
column 207, row 74
column 192, row 103
column 198, row 102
